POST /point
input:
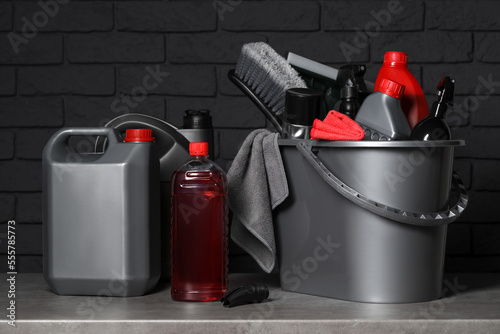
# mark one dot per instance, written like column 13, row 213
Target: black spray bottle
column 434, row 127
column 349, row 104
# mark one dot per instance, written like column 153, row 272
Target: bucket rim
column 375, row 144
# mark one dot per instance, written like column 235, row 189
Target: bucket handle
column 407, row 217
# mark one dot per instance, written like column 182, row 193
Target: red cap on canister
column 396, row 58
column 200, row 148
column 138, row 135
column 391, row 88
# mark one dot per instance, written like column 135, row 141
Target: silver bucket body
column 331, row 245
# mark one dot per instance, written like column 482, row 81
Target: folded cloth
column 256, row 185
column 337, row 126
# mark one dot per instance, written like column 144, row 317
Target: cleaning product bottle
column 413, row 102
column 302, row 107
column 199, row 245
column 349, row 104
column 101, row 214
column 434, row 127
column 197, row 127
column 381, row 116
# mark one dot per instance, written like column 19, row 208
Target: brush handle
column 318, row 69
column 312, row 66
column 256, row 100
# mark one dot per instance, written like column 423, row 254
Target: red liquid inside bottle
column 199, row 229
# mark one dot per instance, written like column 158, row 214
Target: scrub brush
column 264, row 76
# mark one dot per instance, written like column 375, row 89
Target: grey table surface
column 472, row 305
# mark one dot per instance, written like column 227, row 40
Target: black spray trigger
column 245, row 294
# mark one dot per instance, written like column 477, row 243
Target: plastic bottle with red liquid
column 199, row 247
column 413, row 102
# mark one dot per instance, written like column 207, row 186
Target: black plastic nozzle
column 245, row 294
column 445, row 93
column 197, row 119
column 355, row 74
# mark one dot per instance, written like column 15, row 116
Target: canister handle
column 171, row 146
column 399, row 215
column 62, row 135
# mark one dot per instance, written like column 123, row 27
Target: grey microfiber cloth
column 257, row 184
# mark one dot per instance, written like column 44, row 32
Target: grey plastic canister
column 366, row 221
column 101, row 216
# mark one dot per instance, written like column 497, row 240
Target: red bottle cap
column 138, row 135
column 396, row 58
column 198, row 148
column 391, row 88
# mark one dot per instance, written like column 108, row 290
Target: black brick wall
column 86, row 55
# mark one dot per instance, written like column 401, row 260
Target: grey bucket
column 366, row 221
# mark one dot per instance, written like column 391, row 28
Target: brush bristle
column 268, row 74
